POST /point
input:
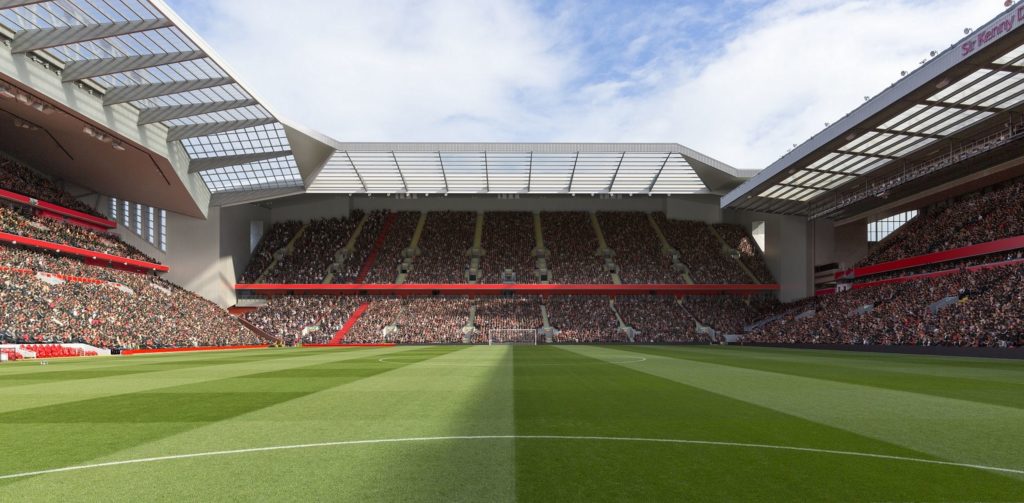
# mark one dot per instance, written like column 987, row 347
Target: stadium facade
column 134, row 113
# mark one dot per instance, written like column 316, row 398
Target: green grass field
column 526, row 423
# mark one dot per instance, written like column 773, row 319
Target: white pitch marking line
column 512, row 437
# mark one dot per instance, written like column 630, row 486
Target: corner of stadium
column 203, row 301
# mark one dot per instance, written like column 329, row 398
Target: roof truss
column 90, row 68
column 44, row 38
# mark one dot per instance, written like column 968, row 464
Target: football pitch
column 504, row 423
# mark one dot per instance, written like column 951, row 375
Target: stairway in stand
column 340, row 336
column 372, row 257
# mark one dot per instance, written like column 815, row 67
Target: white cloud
column 481, row 71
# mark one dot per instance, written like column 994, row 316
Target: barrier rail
column 95, row 257
column 997, row 246
column 503, row 289
column 59, row 210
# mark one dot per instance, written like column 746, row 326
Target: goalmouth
column 511, row 336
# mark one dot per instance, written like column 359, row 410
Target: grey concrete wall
column 491, row 203
column 851, row 243
column 310, row 206
column 787, row 250
column 235, row 223
column 704, row 209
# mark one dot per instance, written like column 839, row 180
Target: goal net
column 511, row 336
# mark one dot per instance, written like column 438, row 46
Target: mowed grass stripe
column 944, row 428
column 965, row 385
column 78, row 431
column 621, row 400
column 465, row 391
column 222, row 365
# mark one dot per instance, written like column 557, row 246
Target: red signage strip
column 997, row 246
column 180, row 350
column 81, row 252
column 60, row 210
column 500, row 289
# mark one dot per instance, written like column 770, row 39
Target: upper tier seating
column 19, row 178
column 385, row 269
column 22, row 221
column 573, row 245
column 446, row 238
column 750, row 254
column 279, row 235
column 637, row 248
column 508, row 241
column 975, row 218
column 701, row 251
column 314, row 251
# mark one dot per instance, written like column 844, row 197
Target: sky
column 739, row 80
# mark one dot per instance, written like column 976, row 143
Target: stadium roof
column 537, row 168
column 958, row 95
column 140, row 53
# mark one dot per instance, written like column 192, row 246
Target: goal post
column 511, row 336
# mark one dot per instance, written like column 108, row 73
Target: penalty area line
column 173, row 457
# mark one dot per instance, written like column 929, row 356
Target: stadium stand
column 21, row 179
column 701, row 252
column 393, row 250
column 579, row 319
column 637, row 250
column 314, row 251
column 508, row 243
column 573, row 245
column 504, row 319
column 412, row 321
column 749, row 253
column 443, row 247
column 270, row 246
column 23, row 221
column 308, row 319
column 658, row 320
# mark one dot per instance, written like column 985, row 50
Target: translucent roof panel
column 508, row 168
column 266, row 174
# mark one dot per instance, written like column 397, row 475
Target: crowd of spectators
column 52, row 299
column 447, row 236
column 361, row 249
column 308, row 319
column 573, row 245
column 413, row 320
column 315, row 250
column 508, row 241
column 750, row 253
column 583, row 319
column 508, row 319
column 986, row 308
column 18, row 178
column 979, row 217
column 658, row 319
column 276, row 238
column 701, row 251
column 23, row 221
column 637, row 248
column 389, row 257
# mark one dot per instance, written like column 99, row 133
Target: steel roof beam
column 194, row 130
column 487, row 174
column 165, row 113
column 398, row 167
column 208, row 163
column 529, row 174
column 444, row 174
column 356, row 171
column 616, row 173
column 864, row 154
column 125, row 94
column 908, row 133
column 45, row 38
column 10, row 4
column 572, row 176
column 657, row 175
column 90, row 68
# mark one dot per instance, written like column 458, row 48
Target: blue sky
column 740, row 80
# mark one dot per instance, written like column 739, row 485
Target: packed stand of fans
column 314, row 251
column 23, row 221
column 571, row 240
column 583, row 319
column 975, row 218
column 415, row 320
column 385, row 268
column 750, row 253
column 309, row 319
column 51, row 299
column 503, row 319
column 986, row 309
column 276, row 238
column 508, row 241
column 637, row 248
column 446, row 237
column 658, row 319
column 724, row 313
column 16, row 177
column 701, row 251
column 361, row 249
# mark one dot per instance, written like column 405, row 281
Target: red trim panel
column 181, row 350
column 499, row 289
column 60, row 210
column 997, row 246
column 81, row 252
